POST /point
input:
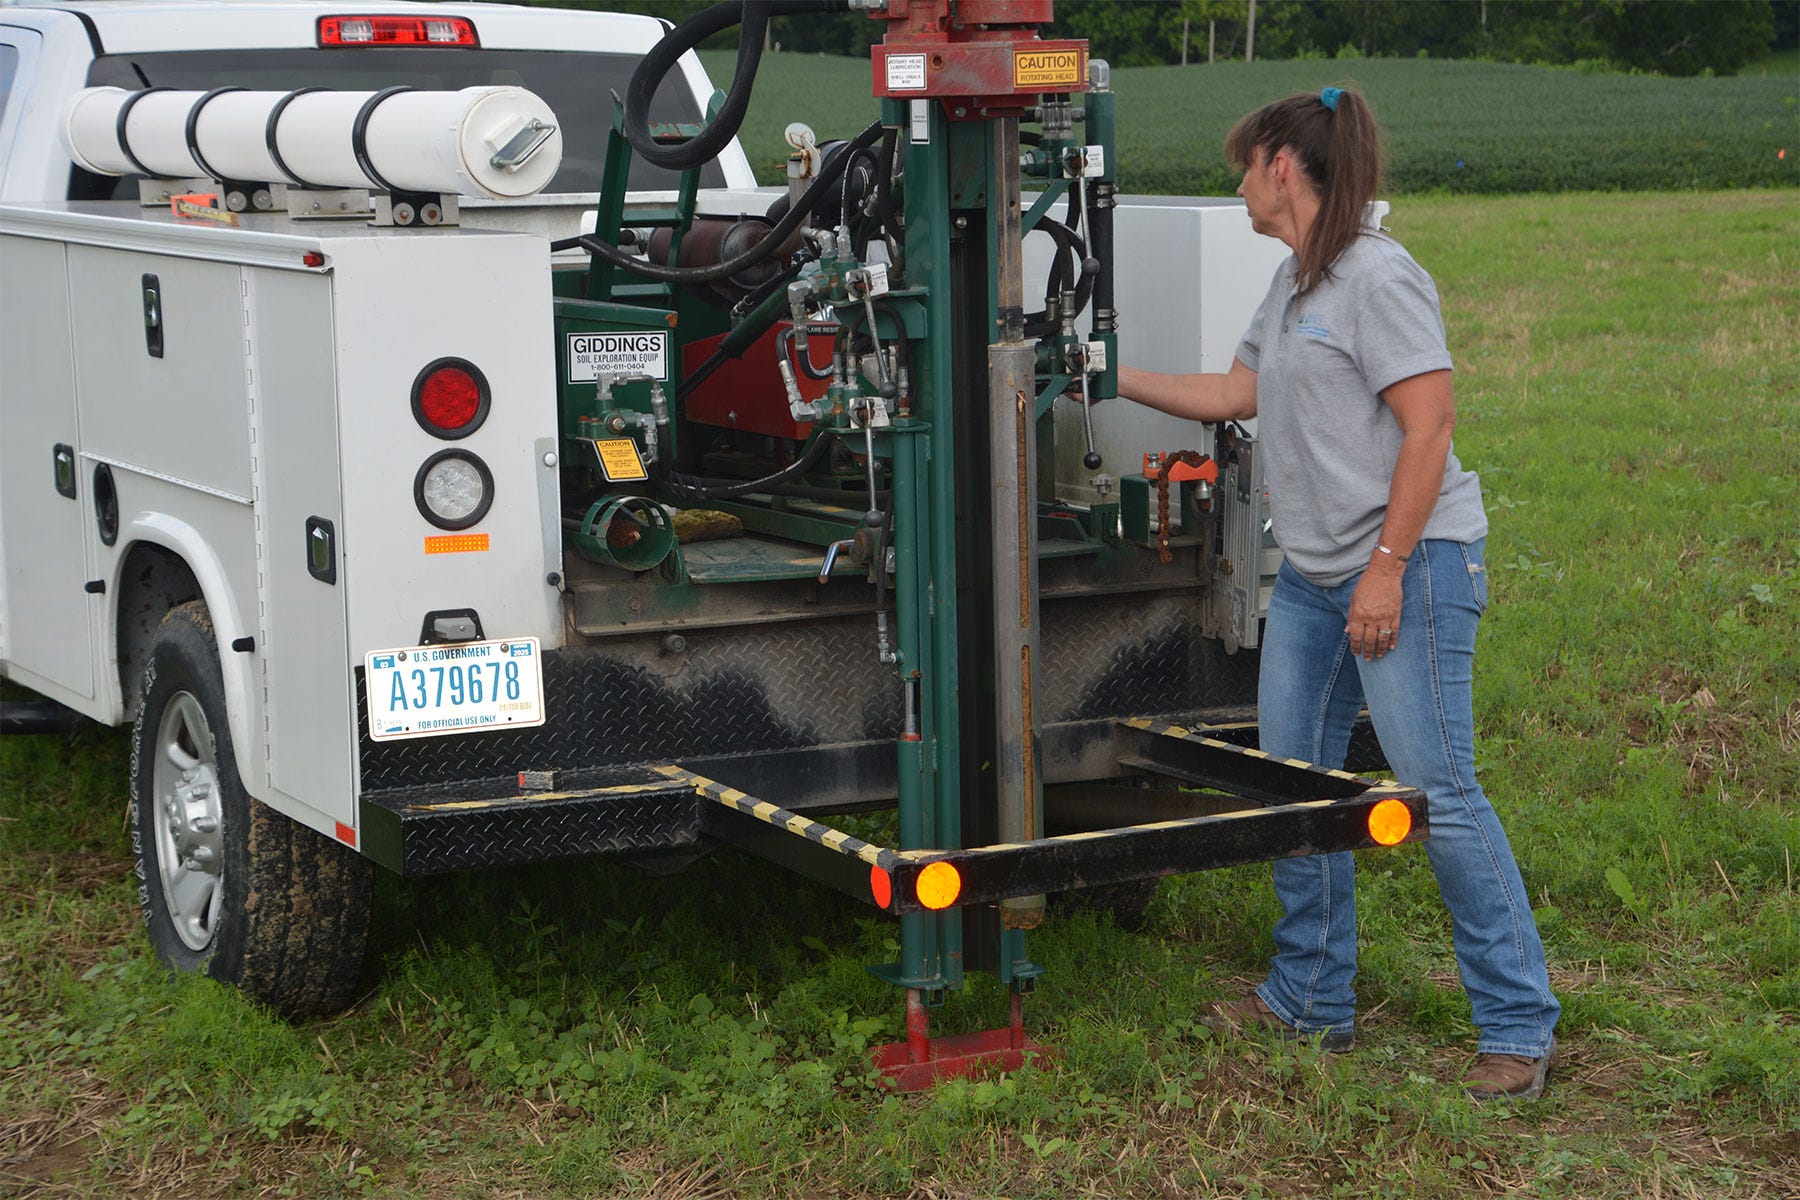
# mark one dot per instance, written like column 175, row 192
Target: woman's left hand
column 1374, row 625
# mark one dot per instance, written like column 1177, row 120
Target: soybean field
column 1451, row 126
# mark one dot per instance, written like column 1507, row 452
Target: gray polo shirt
column 1329, row 441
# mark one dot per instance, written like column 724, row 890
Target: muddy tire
column 228, row 885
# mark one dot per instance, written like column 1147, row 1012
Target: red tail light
column 450, row 398
column 397, row 31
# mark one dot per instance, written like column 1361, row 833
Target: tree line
column 1667, row 37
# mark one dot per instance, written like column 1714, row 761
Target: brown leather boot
column 1508, row 1076
column 1251, row 1013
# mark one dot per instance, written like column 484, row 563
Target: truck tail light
column 397, row 31
column 450, row 398
column 453, row 489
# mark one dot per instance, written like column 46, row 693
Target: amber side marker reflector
column 881, row 886
column 457, row 543
column 1389, row 822
column 939, row 885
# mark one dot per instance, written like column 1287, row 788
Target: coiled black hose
column 753, row 17
column 857, row 156
column 1067, row 267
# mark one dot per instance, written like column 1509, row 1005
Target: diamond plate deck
column 802, row 708
column 794, row 686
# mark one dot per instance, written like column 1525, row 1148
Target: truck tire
column 228, row 885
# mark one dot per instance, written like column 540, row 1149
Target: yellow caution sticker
column 1047, row 70
column 619, row 460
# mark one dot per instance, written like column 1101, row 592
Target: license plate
column 465, row 687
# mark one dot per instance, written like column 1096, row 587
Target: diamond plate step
column 424, row 831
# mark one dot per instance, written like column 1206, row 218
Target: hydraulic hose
column 689, row 487
column 1070, row 251
column 849, row 316
column 822, row 208
column 784, row 228
column 857, row 156
column 770, row 305
column 753, row 17
column 1100, row 236
column 804, row 362
column 885, row 214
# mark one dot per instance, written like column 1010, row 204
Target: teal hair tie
column 1329, row 97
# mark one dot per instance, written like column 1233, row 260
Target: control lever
column 882, row 380
column 1078, row 362
column 831, row 554
column 874, row 517
column 1090, row 460
column 870, row 285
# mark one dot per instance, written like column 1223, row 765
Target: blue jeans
column 1419, row 697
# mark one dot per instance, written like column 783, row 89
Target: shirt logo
column 1312, row 325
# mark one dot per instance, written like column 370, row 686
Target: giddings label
column 637, row 352
column 1046, row 68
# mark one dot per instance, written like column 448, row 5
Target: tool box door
column 46, row 618
column 312, row 724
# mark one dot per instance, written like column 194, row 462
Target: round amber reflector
column 881, row 886
column 939, row 885
column 1389, row 822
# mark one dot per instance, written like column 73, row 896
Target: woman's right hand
column 1374, row 620
column 1204, row 397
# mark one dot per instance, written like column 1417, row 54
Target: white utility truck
column 339, row 458
column 209, row 436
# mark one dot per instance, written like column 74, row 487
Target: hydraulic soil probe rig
column 810, row 520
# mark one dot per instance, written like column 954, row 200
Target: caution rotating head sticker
column 1046, row 70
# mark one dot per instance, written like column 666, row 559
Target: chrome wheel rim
column 187, row 823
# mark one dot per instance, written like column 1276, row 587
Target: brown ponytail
column 1340, row 151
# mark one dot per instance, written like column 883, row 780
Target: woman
column 1382, row 582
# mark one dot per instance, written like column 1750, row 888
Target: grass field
column 1452, row 126
column 1627, row 383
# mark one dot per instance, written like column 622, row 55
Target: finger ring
column 1384, row 632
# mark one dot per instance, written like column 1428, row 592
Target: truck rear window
column 9, row 66
column 577, row 86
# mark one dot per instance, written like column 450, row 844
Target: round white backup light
column 453, row 489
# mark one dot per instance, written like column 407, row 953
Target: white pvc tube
column 416, row 141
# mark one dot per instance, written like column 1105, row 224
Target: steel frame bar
column 1202, row 761
column 1284, row 808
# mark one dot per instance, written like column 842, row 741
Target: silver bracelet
column 1390, row 553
